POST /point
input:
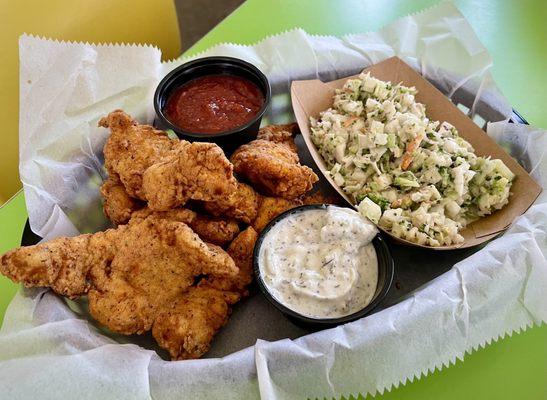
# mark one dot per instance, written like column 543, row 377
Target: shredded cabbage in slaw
column 416, row 178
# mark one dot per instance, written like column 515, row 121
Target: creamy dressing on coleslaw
column 416, row 178
column 321, row 262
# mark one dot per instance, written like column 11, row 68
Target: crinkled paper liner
column 48, row 351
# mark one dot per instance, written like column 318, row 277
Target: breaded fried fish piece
column 271, row 207
column 119, row 208
column 164, row 172
column 241, row 251
column 280, row 134
column 197, row 171
column 130, row 273
column 318, row 197
column 241, row 205
column 273, row 169
column 187, row 326
column 131, row 149
column 213, row 230
column 62, row 264
column 117, row 204
column 218, row 231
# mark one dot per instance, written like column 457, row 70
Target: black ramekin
column 212, row 66
column 385, row 278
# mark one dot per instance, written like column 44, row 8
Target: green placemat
column 13, row 215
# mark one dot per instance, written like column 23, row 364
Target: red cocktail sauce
column 214, row 103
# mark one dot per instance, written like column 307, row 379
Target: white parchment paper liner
column 46, row 351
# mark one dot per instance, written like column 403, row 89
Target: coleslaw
column 416, row 178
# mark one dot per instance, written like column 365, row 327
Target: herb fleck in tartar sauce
column 321, row 263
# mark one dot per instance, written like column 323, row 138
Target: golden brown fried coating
column 164, row 172
column 273, row 169
column 241, row 251
column 117, row 204
column 318, row 197
column 130, row 273
column 271, row 207
column 197, row 171
column 213, row 230
column 280, row 134
column 62, row 264
column 187, row 327
column 241, row 205
column 131, row 149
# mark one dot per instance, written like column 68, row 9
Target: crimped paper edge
column 446, row 363
column 69, row 43
column 193, row 55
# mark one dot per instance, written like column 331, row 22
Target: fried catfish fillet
column 280, row 134
column 241, row 205
column 318, row 197
column 166, row 173
column 117, row 204
column 130, row 273
column 119, row 208
column 131, row 149
column 273, row 169
column 187, row 327
column 271, row 207
column 62, row 264
column 241, row 251
column 213, row 230
column 197, row 171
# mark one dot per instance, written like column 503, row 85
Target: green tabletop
column 514, row 32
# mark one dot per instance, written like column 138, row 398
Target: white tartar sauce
column 321, row 263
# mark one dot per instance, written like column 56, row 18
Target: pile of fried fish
column 181, row 253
